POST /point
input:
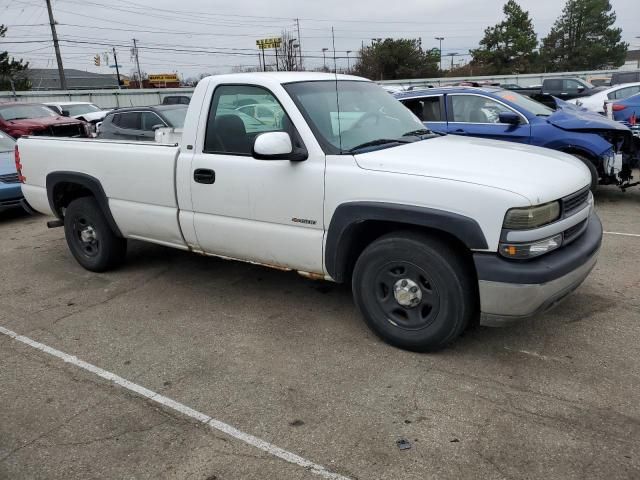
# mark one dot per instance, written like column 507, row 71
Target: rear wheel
column 90, row 238
column 413, row 291
column 595, row 177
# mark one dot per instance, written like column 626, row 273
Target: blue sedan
column 10, row 192
column 627, row 111
column 605, row 146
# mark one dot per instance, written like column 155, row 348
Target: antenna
column 335, row 74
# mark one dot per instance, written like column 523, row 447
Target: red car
column 19, row 119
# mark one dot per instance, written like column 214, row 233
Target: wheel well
column 369, row 231
column 585, row 154
column 66, row 192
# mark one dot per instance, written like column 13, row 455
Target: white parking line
column 179, row 407
column 623, row 234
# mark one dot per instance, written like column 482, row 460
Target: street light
column 440, row 39
column 348, row 66
column 324, row 58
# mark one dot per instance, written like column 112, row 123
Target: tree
column 583, row 38
column 391, row 59
column 288, row 59
column 508, row 47
column 13, row 73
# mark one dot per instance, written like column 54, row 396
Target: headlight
column 531, row 217
column 523, row 251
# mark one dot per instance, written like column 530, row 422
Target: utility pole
column 440, row 39
column 324, row 58
column 348, row 65
column 135, row 53
column 115, row 60
column 56, row 46
column 299, row 45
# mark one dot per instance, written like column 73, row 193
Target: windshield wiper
column 415, row 133
column 379, row 141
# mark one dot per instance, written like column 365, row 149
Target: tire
column 595, row 177
column 90, row 238
column 385, row 279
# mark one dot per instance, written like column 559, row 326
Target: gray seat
column 230, row 135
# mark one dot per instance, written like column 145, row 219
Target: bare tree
column 289, row 53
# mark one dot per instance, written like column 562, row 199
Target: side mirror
column 509, row 117
column 581, row 88
column 65, row 113
column 276, row 146
column 157, row 126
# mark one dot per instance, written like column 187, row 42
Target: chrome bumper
column 503, row 303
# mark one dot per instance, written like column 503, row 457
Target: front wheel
column 90, row 238
column 413, row 291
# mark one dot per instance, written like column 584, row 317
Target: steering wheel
column 364, row 118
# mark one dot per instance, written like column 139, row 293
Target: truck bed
column 137, row 178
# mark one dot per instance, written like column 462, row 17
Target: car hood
column 539, row 174
column 7, row 163
column 43, row 122
column 93, row 116
column 574, row 118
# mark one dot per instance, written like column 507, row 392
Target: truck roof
column 282, row 77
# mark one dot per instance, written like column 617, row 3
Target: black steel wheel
column 414, row 291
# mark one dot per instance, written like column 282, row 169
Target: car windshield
column 348, row 114
column 80, row 109
column 528, row 104
column 6, row 143
column 21, row 112
column 175, row 116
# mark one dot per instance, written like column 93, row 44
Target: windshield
column 6, row 143
column 175, row 116
column 80, row 109
column 367, row 114
column 526, row 103
column 21, row 112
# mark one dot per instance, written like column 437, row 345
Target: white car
column 85, row 111
column 431, row 231
column 595, row 102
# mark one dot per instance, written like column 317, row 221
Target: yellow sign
column 269, row 43
column 164, row 78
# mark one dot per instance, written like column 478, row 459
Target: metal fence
column 102, row 98
column 152, row 96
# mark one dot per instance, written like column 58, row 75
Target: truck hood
column 574, row 118
column 539, row 174
column 43, row 122
column 7, row 163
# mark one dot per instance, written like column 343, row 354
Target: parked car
column 596, row 102
column 140, row 123
column 627, row 112
column 625, row 77
column 176, row 100
column 599, row 81
column 562, row 88
column 18, row 119
column 10, row 191
column 599, row 143
column 265, row 113
column 431, row 231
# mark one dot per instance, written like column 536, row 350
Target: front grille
column 575, row 201
column 9, row 178
column 570, row 234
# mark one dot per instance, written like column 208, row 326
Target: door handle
column 460, row 131
column 204, row 175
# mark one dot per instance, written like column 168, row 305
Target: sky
column 191, row 37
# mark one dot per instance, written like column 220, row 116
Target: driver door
column 265, row 211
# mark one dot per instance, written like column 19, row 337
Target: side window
column 572, row 85
column 235, row 119
column 624, row 92
column 426, row 109
column 149, row 120
column 553, row 85
column 129, row 120
column 476, row 109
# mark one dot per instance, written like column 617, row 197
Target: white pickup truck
column 341, row 183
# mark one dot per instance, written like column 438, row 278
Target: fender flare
column 349, row 216
column 87, row 181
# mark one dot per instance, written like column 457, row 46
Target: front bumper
column 10, row 196
column 510, row 290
